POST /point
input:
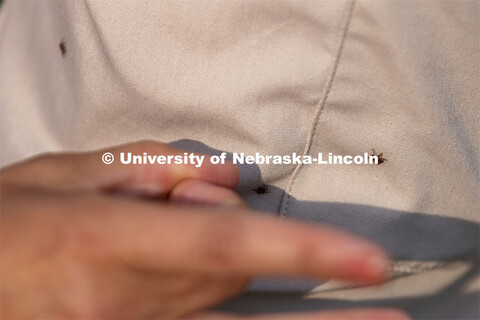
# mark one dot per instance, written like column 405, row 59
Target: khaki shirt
column 278, row 77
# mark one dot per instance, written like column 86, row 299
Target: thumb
column 86, row 170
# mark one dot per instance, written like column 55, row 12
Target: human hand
column 73, row 245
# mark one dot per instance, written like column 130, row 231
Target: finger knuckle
column 304, row 258
column 222, row 238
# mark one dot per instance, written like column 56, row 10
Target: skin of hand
column 82, row 239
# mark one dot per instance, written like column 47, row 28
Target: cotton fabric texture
column 278, row 77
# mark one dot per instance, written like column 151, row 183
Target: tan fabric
column 275, row 77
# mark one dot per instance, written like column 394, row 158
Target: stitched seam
column 321, row 106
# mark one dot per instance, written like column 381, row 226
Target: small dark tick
column 381, row 159
column 63, row 48
column 262, row 189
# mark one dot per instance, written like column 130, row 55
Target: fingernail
column 370, row 267
column 377, row 265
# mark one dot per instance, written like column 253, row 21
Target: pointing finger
column 209, row 240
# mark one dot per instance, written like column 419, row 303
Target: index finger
column 216, row 241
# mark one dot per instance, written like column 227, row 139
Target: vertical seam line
column 321, row 106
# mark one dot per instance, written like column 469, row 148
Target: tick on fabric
column 262, row 189
column 381, row 159
column 63, row 48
